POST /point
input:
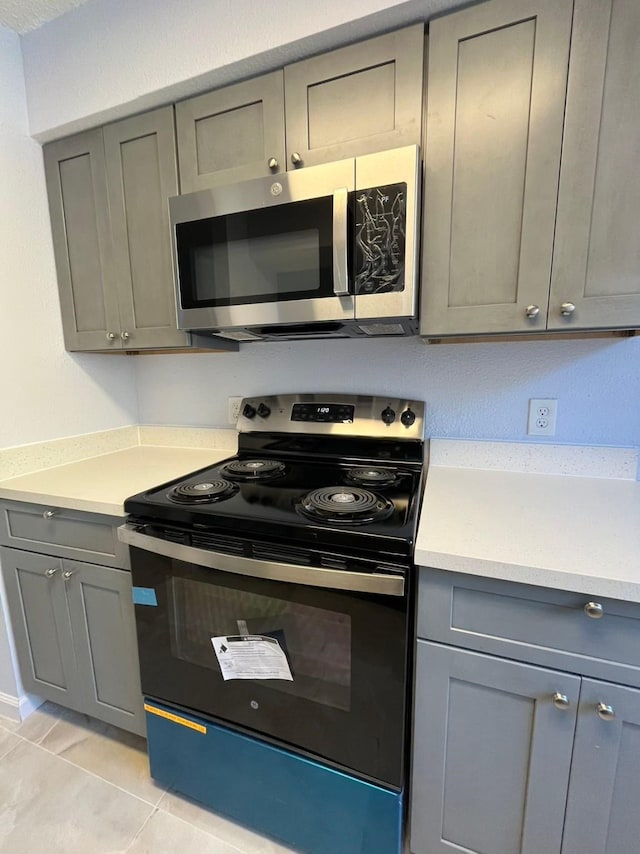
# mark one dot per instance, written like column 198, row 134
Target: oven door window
column 346, row 653
column 284, row 252
column 315, row 641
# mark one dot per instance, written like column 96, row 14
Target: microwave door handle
column 340, row 280
column 312, row 576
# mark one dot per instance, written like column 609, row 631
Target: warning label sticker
column 251, row 657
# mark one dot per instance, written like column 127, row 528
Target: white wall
column 110, row 58
column 472, row 390
column 45, row 392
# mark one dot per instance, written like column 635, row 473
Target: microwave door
column 271, row 251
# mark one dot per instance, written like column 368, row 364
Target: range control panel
column 337, row 414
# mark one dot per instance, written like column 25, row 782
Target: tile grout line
column 140, row 829
column 202, row 829
column 93, row 774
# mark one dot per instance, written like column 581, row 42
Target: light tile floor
column 72, row 785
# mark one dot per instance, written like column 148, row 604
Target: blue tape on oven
column 144, row 596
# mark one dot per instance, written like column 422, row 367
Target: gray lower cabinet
column 602, row 809
column 492, row 754
column 596, row 264
column 232, row 134
column 495, row 108
column 511, row 757
column 74, row 630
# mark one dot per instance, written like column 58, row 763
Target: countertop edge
column 537, row 576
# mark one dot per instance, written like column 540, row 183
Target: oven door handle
column 340, row 278
column 313, row 576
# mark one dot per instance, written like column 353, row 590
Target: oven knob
column 264, row 411
column 248, row 411
column 388, row 415
column 408, row 417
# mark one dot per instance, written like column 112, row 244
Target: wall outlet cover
column 234, row 404
column 542, row 417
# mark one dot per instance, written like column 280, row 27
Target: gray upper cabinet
column 78, row 204
column 495, row 107
column 232, row 134
column 108, row 190
column 492, row 754
column 602, row 810
column 356, row 100
column 596, row 264
column 142, row 173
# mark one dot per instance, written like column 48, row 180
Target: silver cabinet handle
column 67, row 574
column 567, row 308
column 273, row 163
column 111, row 336
column 605, row 713
column 124, row 336
column 48, row 514
column 340, row 277
column 594, row 610
column 296, row 159
column 51, row 572
column 532, row 311
column 561, row 701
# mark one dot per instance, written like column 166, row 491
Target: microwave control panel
column 380, row 222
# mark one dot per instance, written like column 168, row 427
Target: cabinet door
column 491, row 754
column 495, row 106
column 41, row 627
column 597, row 251
column 79, row 211
column 231, row 134
column 602, row 810
column 106, row 647
column 141, row 175
column 355, row 100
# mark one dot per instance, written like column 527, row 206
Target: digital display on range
column 335, row 413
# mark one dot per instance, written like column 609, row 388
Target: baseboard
column 18, row 708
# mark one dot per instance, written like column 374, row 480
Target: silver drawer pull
column 51, row 572
column 561, row 701
column 567, row 309
column 532, row 310
column 67, row 574
column 48, row 514
column 594, row 610
column 605, row 713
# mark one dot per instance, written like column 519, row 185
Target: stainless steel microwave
column 327, row 251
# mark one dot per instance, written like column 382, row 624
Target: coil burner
column 339, row 504
column 204, row 492
column 371, row 476
column 253, row 469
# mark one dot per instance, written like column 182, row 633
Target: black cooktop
column 272, row 489
column 330, row 473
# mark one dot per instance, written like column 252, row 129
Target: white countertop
column 102, row 483
column 565, row 531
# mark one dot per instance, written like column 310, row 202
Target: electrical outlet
column 234, row 404
column 542, row 417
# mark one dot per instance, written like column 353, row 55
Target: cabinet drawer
column 546, row 627
column 66, row 533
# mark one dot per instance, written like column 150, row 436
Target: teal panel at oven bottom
column 307, row 806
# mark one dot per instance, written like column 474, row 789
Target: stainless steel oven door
column 342, row 696
column 268, row 251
